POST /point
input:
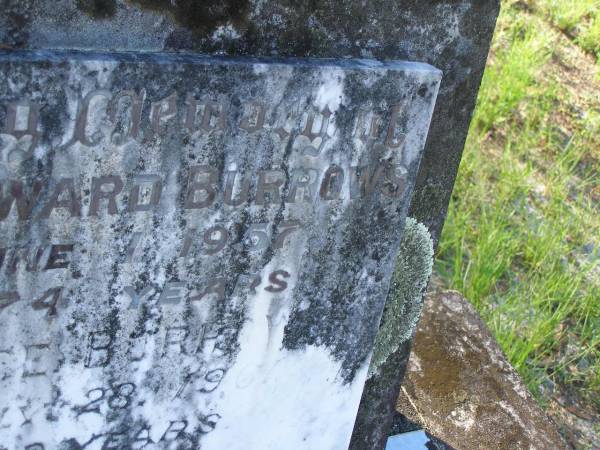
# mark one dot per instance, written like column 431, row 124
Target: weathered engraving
column 190, row 242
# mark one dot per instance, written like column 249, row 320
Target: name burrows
column 204, row 187
column 104, row 117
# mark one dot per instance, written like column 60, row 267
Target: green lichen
column 405, row 300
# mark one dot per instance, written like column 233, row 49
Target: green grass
column 522, row 239
column 589, row 39
column 579, row 18
column 569, row 14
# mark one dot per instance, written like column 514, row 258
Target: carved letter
column 187, row 243
column 215, row 286
column 141, row 439
column 332, row 183
column 176, row 428
column 368, row 129
column 121, row 134
column 175, row 337
column 24, row 254
column 213, row 117
column 8, row 298
column 73, row 203
column 246, row 281
column 37, row 355
column 98, row 193
column 305, row 181
column 25, row 204
column 254, row 118
column 396, row 181
column 136, row 297
column 364, row 180
column 161, row 111
column 58, row 258
column 48, row 300
column 173, row 292
column 22, row 120
column 208, row 423
column 134, row 196
column 83, row 117
column 203, row 189
column 230, row 185
column 216, row 111
column 279, row 284
column 269, row 184
column 99, row 349
column 133, row 245
column 325, row 116
column 192, row 111
column 311, row 143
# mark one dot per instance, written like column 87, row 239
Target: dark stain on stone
column 16, row 24
column 98, row 9
column 295, row 41
column 201, row 17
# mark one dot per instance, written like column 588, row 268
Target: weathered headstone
column 196, row 251
column 452, row 35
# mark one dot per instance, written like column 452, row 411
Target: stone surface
column 197, row 250
column 452, row 35
column 402, row 311
column 461, row 388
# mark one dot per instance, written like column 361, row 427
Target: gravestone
column 197, row 250
column 452, row 35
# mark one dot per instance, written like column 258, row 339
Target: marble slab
column 196, row 251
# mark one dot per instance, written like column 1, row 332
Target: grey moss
column 405, row 300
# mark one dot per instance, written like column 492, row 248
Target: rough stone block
column 461, row 388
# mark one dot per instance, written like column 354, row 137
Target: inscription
column 47, row 301
column 124, row 112
column 34, row 259
column 117, row 396
column 202, row 190
column 180, row 233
